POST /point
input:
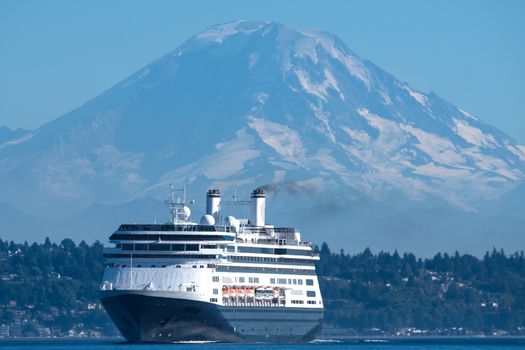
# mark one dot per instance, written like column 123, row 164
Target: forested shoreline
column 50, row 289
column 403, row 295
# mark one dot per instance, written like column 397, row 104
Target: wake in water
column 195, row 342
column 325, row 341
column 375, row 341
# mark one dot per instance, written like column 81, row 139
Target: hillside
column 50, row 289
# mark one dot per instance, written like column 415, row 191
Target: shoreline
column 342, row 339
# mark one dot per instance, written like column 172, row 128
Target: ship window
column 281, row 280
column 272, row 280
column 294, row 281
column 123, row 265
column 300, row 282
column 159, row 247
column 241, row 279
column 215, row 279
column 201, row 266
column 309, row 282
column 163, row 265
column 178, row 266
column 215, row 291
column 194, row 266
column 141, row 247
column 310, row 293
column 127, row 247
column 289, row 281
column 208, row 246
column 311, row 301
column 139, row 265
column 255, row 250
column 213, row 300
column 153, row 266
column 192, row 247
column 177, row 247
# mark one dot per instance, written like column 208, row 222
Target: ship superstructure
column 222, row 279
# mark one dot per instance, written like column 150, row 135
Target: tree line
column 446, row 294
column 386, row 292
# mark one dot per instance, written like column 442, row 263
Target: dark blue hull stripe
column 142, row 318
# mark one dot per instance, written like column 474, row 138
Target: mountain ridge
column 248, row 103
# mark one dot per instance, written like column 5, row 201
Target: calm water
column 452, row 344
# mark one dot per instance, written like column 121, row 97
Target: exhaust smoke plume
column 292, row 188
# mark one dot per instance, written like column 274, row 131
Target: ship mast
column 179, row 212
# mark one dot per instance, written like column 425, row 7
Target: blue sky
column 56, row 55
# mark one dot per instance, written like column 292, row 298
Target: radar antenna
column 178, row 210
column 234, row 200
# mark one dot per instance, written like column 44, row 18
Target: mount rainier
column 334, row 137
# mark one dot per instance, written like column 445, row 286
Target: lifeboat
column 259, row 293
column 230, row 292
column 267, row 293
column 250, row 292
column 241, row 292
column 225, row 294
column 275, row 293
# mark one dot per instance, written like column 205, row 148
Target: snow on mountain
column 11, row 137
column 251, row 102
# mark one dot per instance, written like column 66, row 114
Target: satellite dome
column 207, row 220
column 187, row 212
column 232, row 221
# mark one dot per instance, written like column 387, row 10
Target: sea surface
column 365, row 344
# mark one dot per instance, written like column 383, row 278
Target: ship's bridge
column 171, row 232
column 174, row 227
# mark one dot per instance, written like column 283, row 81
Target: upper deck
column 193, row 232
column 215, row 237
column 173, row 228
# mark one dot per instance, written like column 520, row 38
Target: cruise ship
column 223, row 279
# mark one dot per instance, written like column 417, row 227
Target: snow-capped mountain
column 248, row 103
column 7, row 134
